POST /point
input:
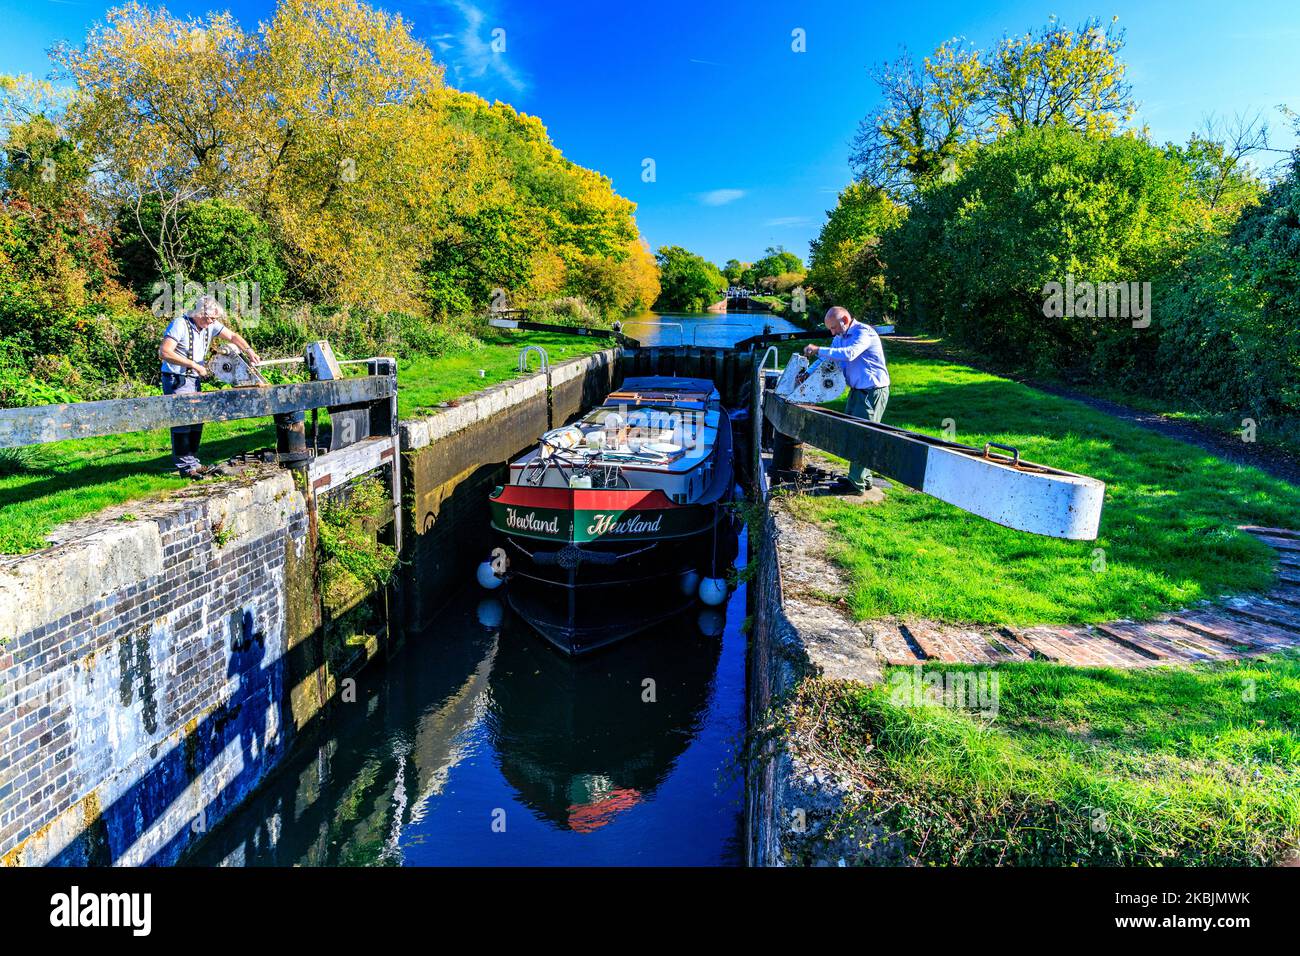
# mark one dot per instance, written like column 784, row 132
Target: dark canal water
column 478, row 744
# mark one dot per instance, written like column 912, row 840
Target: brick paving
column 1233, row 628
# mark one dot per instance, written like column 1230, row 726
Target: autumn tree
column 1058, row 76
column 56, row 265
column 332, row 124
column 933, row 116
column 57, row 282
column 618, row 287
column 354, row 164
column 156, row 100
column 41, row 165
column 553, row 227
column 326, row 123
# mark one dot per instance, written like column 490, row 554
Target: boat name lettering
column 530, row 522
column 609, row 524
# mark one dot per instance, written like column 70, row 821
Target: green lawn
column 425, row 382
column 1184, row 766
column 50, row 484
column 1168, row 530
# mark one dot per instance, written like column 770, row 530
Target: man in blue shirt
column 856, row 348
column 183, row 352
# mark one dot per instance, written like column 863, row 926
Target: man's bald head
column 837, row 318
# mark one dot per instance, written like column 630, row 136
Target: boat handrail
column 681, row 337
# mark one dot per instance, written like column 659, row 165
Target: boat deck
column 654, row 433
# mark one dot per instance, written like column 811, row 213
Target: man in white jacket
column 856, row 348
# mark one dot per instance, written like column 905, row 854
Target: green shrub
column 687, row 281
column 1229, row 325
column 354, row 560
column 20, row 390
column 277, row 333
column 1036, row 207
column 227, row 243
column 845, row 263
column 570, row 310
column 355, row 333
column 219, row 243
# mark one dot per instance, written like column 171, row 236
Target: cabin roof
column 665, row 383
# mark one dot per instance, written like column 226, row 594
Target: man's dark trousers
column 185, row 438
column 868, row 403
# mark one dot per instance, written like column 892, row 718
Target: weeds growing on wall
column 353, row 560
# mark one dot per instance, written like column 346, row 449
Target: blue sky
column 749, row 138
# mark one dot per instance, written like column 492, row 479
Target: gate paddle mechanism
column 821, row 381
column 229, row 366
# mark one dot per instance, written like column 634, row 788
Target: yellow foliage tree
column 333, row 124
column 327, row 123
column 356, row 165
column 643, row 276
column 1057, row 76
column 581, row 236
column 933, row 118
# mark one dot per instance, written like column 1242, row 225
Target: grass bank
column 47, row 485
column 1168, row 530
column 1280, row 433
column 1157, row 766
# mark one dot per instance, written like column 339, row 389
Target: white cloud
column 788, row 221
column 720, row 197
column 470, row 59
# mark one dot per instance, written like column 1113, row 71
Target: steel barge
column 622, row 519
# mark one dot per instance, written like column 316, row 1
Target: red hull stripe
column 586, row 499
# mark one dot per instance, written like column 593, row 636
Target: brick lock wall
column 134, row 720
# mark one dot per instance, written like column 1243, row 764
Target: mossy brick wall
column 453, row 459
column 146, row 671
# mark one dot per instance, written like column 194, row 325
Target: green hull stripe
column 560, row 524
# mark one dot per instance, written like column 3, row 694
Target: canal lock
column 633, row 755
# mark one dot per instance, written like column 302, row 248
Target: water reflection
column 710, row 329
column 582, row 740
column 627, row 756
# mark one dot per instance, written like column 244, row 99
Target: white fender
column 713, row 591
